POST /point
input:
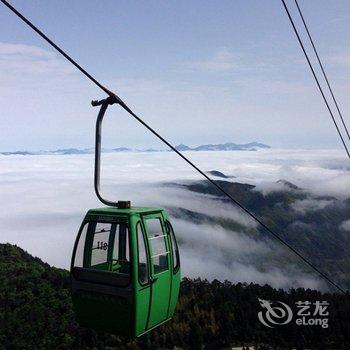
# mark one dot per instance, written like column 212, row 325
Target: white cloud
column 340, row 19
column 10, row 50
column 194, row 261
column 345, row 225
column 340, row 58
column 222, row 60
column 305, row 205
column 323, row 172
column 31, row 60
column 266, row 187
column 203, row 204
column 275, row 87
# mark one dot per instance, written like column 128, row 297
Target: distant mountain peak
column 288, row 184
column 121, row 149
column 219, row 174
column 228, row 146
column 182, row 147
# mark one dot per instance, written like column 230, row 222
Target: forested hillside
column 310, row 223
column 36, row 313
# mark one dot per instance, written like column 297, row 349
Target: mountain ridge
column 310, row 223
column 228, row 146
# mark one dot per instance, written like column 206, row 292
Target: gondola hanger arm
column 110, row 100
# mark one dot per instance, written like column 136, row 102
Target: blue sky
column 198, row 72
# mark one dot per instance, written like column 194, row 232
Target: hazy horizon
column 158, row 148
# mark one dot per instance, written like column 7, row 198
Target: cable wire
column 315, row 77
column 222, row 190
column 322, row 68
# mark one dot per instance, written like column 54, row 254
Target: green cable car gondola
column 125, row 268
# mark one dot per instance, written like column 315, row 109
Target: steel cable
column 322, row 69
column 315, row 77
column 222, row 190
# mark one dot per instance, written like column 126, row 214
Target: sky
column 47, row 197
column 198, row 72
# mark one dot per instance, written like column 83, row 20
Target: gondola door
column 161, row 277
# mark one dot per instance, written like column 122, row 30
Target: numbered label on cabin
column 102, row 245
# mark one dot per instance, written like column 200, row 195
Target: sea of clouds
column 44, row 199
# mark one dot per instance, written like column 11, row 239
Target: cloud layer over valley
column 45, row 198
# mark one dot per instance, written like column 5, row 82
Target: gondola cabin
column 125, row 270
